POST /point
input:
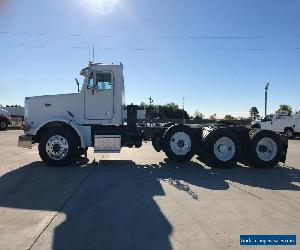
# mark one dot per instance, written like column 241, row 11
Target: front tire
column 3, row 125
column 58, row 147
column 178, row 143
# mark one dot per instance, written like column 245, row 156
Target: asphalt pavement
column 139, row 200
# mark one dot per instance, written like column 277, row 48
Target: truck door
column 99, row 96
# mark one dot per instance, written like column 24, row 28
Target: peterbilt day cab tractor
column 66, row 125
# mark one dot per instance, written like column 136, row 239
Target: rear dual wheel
column 221, row 148
column 178, row 143
column 265, row 149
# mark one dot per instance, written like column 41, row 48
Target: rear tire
column 265, row 149
column 221, row 148
column 3, row 125
column 58, row 146
column 178, row 143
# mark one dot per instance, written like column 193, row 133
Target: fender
column 71, row 123
column 4, row 118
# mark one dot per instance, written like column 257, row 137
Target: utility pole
column 150, row 100
column 183, row 118
column 266, row 97
column 93, row 53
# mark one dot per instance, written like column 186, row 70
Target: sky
column 216, row 54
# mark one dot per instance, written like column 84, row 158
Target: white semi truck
column 66, row 125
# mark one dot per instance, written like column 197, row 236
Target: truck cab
column 103, row 94
column 99, row 102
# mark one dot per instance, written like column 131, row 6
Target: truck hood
column 42, row 108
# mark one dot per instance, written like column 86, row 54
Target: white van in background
column 280, row 123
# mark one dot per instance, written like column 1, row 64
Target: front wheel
column 3, row 125
column 178, row 143
column 58, row 147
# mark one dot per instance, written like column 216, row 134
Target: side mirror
column 77, row 82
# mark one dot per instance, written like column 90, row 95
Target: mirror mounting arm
column 77, row 82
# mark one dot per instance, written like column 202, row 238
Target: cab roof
column 94, row 65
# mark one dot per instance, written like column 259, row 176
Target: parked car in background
column 5, row 119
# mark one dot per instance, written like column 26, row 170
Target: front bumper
column 25, row 141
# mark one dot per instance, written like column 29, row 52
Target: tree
column 213, row 117
column 285, row 108
column 167, row 111
column 198, row 115
column 229, row 117
column 254, row 113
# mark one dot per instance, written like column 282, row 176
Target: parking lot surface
column 139, row 200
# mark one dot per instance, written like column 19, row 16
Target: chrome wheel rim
column 266, row 149
column 57, row 147
column 180, row 143
column 224, row 149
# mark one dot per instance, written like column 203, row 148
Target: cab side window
column 104, row 81
column 91, row 80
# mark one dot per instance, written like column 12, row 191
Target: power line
column 149, row 36
column 145, row 49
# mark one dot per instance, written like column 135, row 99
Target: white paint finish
column 84, row 132
column 87, row 107
column 99, row 104
column 103, row 104
column 278, row 123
